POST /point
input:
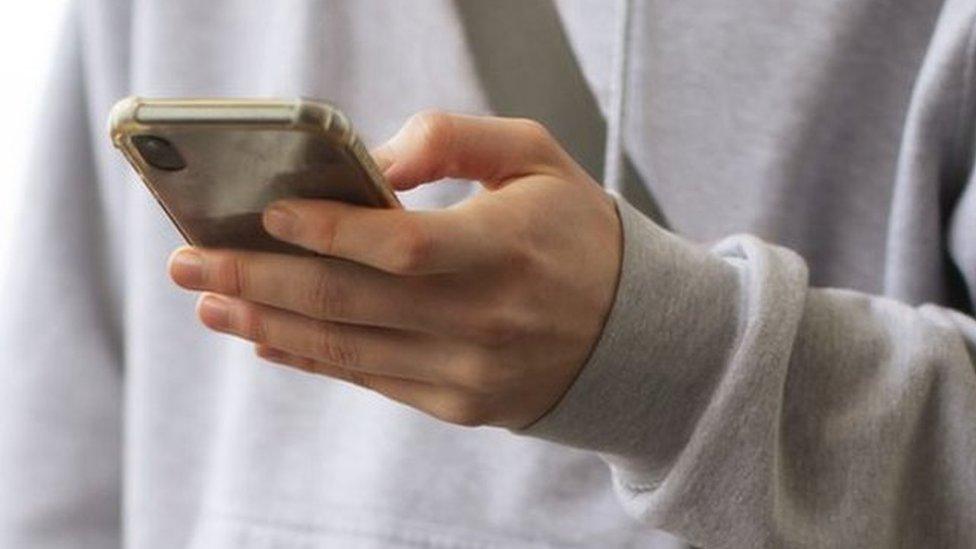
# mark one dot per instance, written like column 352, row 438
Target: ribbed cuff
column 662, row 349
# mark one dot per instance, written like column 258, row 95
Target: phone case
column 236, row 156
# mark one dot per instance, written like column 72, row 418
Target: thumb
column 433, row 145
column 382, row 158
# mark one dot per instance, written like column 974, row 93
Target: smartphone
column 213, row 165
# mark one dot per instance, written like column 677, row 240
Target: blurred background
column 26, row 45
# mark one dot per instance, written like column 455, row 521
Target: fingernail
column 214, row 312
column 280, row 221
column 187, row 269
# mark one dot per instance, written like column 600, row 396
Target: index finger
column 393, row 240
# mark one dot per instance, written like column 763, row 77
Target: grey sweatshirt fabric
column 808, row 383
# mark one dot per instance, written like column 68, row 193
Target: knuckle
column 535, row 133
column 534, row 130
column 464, row 410
column 520, row 256
column 231, row 275
column 358, row 378
column 326, row 298
column 335, row 349
column 324, row 234
column 433, row 128
column 483, row 374
column 433, row 133
column 242, row 279
column 497, row 330
column 253, row 325
column 414, row 247
column 475, row 373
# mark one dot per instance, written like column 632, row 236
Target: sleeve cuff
column 672, row 323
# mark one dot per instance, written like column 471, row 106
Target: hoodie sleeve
column 739, row 407
column 60, row 365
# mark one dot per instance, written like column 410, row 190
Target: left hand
column 481, row 313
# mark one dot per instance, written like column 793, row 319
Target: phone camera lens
column 158, row 152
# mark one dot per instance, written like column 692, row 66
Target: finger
column 382, row 160
column 433, row 145
column 393, row 240
column 280, row 356
column 355, row 348
column 321, row 288
column 443, row 403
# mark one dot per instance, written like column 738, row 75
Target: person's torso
column 739, row 120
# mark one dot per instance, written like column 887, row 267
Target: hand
column 482, row 313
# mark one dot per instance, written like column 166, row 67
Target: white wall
column 27, row 35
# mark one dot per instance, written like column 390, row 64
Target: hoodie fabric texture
column 790, row 364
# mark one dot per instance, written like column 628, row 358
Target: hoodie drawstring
column 613, row 164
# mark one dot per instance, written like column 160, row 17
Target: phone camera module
column 158, row 152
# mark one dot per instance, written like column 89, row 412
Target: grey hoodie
column 807, row 383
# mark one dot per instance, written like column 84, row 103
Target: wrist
column 650, row 362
